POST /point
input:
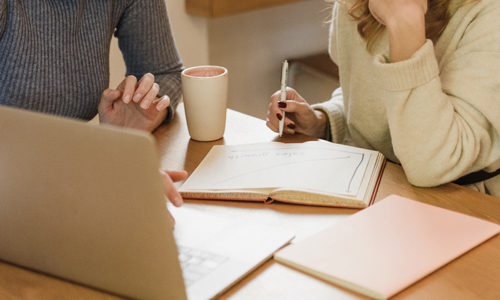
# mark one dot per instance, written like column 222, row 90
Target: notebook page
column 319, row 166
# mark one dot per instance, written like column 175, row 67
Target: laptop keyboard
column 197, row 264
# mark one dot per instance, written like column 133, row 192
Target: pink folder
column 384, row 248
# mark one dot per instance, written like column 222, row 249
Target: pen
column 284, row 79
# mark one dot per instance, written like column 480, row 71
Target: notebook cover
column 377, row 185
column 384, row 248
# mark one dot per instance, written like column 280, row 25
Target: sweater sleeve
column 444, row 119
column 3, row 16
column 334, row 111
column 146, row 41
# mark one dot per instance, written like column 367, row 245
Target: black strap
column 471, row 177
column 476, row 177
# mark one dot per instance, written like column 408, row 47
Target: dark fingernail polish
column 279, row 116
column 282, row 104
column 291, row 126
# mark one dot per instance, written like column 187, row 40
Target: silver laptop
column 85, row 203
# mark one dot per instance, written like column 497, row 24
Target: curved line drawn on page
column 311, row 160
column 354, row 173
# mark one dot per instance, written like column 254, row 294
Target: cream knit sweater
column 437, row 113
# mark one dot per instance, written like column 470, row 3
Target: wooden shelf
column 217, row 8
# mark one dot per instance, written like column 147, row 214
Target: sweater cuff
column 170, row 114
column 335, row 131
column 171, row 109
column 419, row 69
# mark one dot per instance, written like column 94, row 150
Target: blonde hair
column 436, row 20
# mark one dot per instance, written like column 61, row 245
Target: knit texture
column 54, row 55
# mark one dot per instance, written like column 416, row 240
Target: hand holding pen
column 300, row 116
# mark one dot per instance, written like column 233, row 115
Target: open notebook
column 312, row 173
column 383, row 249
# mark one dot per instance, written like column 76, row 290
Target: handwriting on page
column 320, row 168
column 263, row 153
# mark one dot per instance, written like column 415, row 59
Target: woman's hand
column 405, row 23
column 168, row 178
column 299, row 117
column 134, row 104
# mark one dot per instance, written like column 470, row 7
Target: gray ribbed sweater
column 54, row 54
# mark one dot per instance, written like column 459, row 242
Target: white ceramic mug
column 204, row 90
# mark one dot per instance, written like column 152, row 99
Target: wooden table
column 474, row 275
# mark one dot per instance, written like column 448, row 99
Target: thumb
column 177, row 175
column 109, row 96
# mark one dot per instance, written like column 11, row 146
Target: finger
column 177, row 175
column 272, row 126
column 275, row 98
column 274, row 115
column 143, row 87
column 289, row 125
column 128, row 87
column 170, row 190
column 279, row 116
column 121, row 86
column 172, row 219
column 150, row 96
column 292, row 94
column 109, row 96
column 292, row 106
column 162, row 103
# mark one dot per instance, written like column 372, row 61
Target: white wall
column 191, row 34
column 250, row 45
column 116, row 65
